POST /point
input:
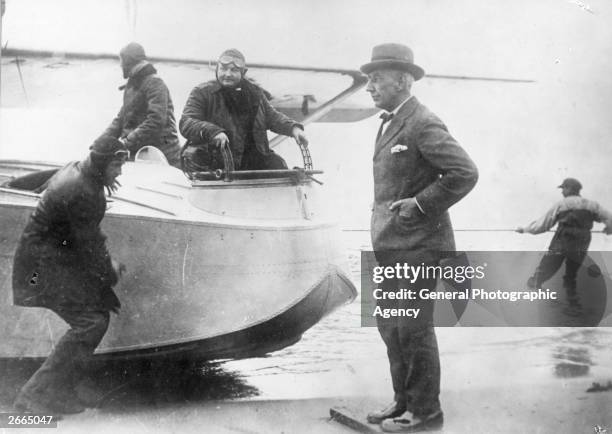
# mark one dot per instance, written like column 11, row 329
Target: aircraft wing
column 306, row 94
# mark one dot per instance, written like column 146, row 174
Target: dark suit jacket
column 430, row 166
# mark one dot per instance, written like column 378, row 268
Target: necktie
column 386, row 117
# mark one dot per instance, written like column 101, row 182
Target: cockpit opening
column 35, row 182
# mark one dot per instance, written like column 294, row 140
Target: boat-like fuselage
column 215, row 268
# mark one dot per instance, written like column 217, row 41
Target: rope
column 470, row 230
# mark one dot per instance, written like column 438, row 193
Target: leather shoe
column 392, row 410
column 408, row 422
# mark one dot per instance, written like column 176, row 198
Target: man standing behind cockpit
column 146, row 117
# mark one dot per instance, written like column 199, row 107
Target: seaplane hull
column 203, row 280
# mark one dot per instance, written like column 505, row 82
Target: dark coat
column 432, row 168
column 206, row 114
column 61, row 260
column 147, row 115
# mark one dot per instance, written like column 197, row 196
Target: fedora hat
column 393, row 56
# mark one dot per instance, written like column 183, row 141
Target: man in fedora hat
column 419, row 172
column 233, row 112
column 574, row 216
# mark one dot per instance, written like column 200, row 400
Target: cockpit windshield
column 150, row 155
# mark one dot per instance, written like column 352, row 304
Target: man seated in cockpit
column 233, row 112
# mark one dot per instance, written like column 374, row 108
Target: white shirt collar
column 394, row 113
column 397, row 109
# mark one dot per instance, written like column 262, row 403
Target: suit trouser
column 412, row 349
column 61, row 371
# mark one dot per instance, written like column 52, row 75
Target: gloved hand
column 220, row 140
column 299, row 136
column 110, row 189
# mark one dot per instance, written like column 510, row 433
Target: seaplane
column 220, row 265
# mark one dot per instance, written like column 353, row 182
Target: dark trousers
column 62, row 370
column 412, row 349
column 252, row 159
column 568, row 245
column 550, row 264
column 203, row 158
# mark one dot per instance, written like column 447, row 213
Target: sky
column 525, row 138
column 518, row 38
